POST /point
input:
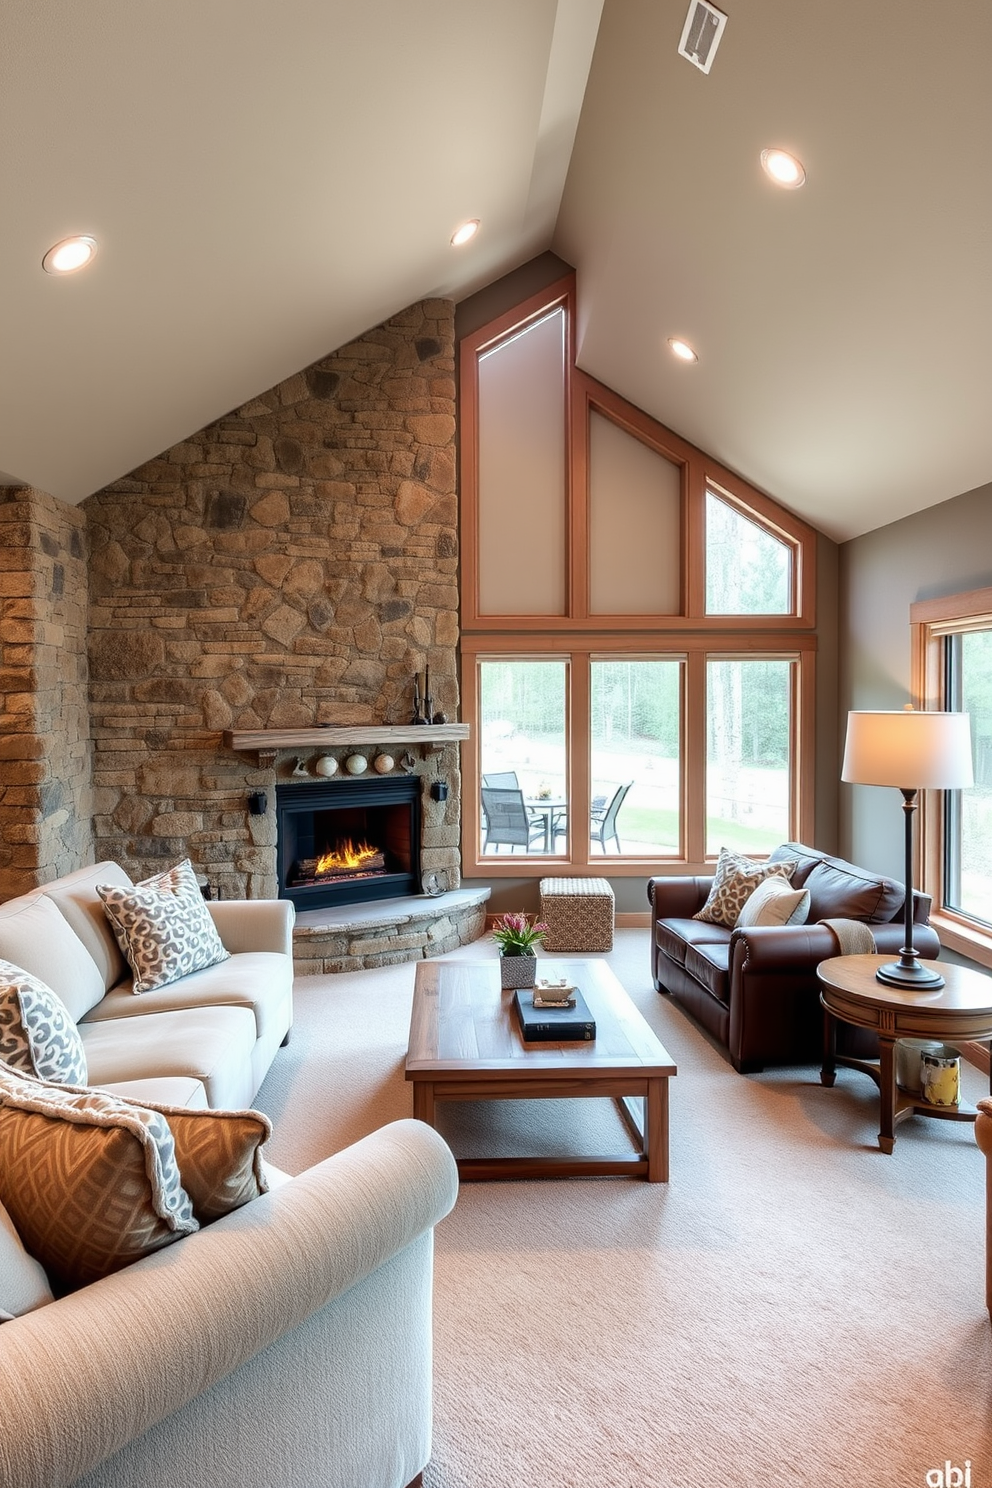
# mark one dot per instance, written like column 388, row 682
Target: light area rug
column 794, row 1307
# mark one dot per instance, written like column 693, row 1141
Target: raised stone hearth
column 359, row 936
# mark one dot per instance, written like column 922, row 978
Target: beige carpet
column 793, row 1308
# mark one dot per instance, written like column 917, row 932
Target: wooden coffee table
column 958, row 1012
column 465, row 1045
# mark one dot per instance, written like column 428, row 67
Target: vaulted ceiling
column 266, row 180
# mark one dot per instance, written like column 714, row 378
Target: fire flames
column 347, row 854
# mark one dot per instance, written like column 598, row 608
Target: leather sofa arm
column 678, row 898
column 781, row 948
column 254, row 924
column 892, row 937
column 85, row 1375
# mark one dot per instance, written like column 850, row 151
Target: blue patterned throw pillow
column 163, row 927
column 37, row 1035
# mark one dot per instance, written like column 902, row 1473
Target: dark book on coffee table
column 554, row 1025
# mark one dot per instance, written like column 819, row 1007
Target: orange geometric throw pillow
column 219, row 1155
column 89, row 1180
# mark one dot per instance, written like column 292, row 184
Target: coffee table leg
column 656, row 1130
column 887, row 1093
column 423, row 1101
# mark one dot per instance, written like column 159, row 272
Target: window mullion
column 579, row 735
column 694, row 758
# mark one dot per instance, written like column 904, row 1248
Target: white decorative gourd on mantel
column 356, row 764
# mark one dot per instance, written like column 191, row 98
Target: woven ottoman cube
column 578, row 913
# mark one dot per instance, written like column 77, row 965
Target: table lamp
column 912, row 751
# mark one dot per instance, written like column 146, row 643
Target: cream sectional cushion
column 34, row 935
column 164, row 1090
column 163, row 927
column 23, row 1283
column 211, row 1044
column 76, row 899
column 259, row 980
column 37, row 1034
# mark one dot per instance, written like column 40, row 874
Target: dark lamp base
column 909, row 973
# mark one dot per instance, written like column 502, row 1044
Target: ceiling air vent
column 701, row 34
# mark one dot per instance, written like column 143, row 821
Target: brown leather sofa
column 755, row 990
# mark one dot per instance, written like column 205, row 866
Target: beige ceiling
column 268, row 178
column 844, row 330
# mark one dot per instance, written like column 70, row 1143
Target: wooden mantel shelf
column 267, row 741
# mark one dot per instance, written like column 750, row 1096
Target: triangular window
column 749, row 571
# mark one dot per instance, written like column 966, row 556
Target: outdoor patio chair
column 603, row 819
column 506, row 821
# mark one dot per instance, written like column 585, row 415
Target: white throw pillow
column 163, row 927
column 775, row 902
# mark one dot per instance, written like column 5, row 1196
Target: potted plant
column 517, row 935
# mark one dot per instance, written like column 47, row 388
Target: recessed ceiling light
column 465, row 233
column 69, row 255
column 782, row 168
column 682, row 349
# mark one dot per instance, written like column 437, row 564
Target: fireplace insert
column 347, row 841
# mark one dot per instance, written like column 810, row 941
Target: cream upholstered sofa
column 287, row 1345
column 207, row 1039
column 288, row 1342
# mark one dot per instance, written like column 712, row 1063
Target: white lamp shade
column 910, row 750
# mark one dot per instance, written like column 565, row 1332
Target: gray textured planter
column 517, row 971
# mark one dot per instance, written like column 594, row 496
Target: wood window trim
column 536, row 307
column 579, row 635
column 579, row 653
column 584, row 395
column 931, row 620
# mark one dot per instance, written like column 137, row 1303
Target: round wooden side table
column 959, row 1011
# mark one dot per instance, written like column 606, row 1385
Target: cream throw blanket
column 853, row 936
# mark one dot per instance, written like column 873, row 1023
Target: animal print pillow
column 163, row 927
column 37, row 1035
column 734, row 881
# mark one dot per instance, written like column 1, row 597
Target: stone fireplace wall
column 291, row 565
column 45, row 795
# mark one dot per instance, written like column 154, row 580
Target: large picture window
column 953, row 663
column 523, row 755
column 636, row 757
column 748, row 774
column 637, row 625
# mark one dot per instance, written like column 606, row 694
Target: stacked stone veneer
column 45, row 797
column 397, row 930
column 293, row 564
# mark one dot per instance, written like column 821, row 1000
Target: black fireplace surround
column 315, row 818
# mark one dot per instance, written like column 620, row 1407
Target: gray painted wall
column 943, row 550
